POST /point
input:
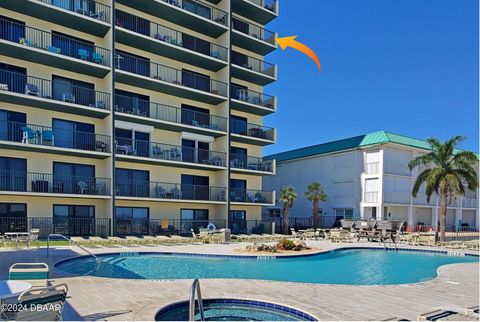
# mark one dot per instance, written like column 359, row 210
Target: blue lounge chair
column 97, row 58
column 47, row 137
column 29, row 134
column 83, row 54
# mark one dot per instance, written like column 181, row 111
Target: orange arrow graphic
column 290, row 41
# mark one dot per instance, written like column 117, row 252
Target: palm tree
column 287, row 197
column 447, row 172
column 315, row 193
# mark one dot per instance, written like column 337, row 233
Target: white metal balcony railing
column 372, row 167
column 371, row 197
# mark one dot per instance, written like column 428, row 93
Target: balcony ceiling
column 253, row 12
column 251, row 43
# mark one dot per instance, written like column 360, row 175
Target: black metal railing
column 253, row 30
column 251, row 196
column 170, row 36
column 252, row 130
column 139, row 107
column 48, row 136
column 307, row 222
column 65, row 226
column 201, row 9
column 239, row 161
column 54, row 43
column 169, row 152
column 251, row 226
column 249, row 96
column 171, row 75
column 91, row 8
column 270, row 5
column 252, row 63
column 163, row 190
column 53, row 183
column 58, row 91
column 182, row 226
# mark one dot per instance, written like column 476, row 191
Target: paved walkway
column 92, row 298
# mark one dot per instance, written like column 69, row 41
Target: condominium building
column 367, row 177
column 122, row 117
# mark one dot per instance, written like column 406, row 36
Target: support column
column 410, row 219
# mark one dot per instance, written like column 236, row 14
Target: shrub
column 285, row 244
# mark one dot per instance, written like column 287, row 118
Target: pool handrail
column 191, row 307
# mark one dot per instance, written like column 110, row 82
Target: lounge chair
column 33, row 273
column 446, row 315
column 79, row 240
column 32, row 236
column 31, row 89
column 150, row 240
column 162, row 239
column 52, row 298
column 198, row 237
column 133, row 241
column 473, row 311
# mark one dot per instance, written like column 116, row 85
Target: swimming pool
column 343, row 266
column 233, row 310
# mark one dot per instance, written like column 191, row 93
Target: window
column 73, row 178
column 133, row 142
column 238, row 157
column 239, row 92
column 197, row 8
column 195, row 151
column 193, row 219
column 80, row 6
column 238, row 125
column 73, row 91
column 11, row 29
column 74, row 135
column 239, row 59
column 133, row 23
column 132, row 103
column 72, row 46
column 196, row 116
column 238, row 190
column 132, row 63
column 238, row 221
column 196, row 44
column 343, row 213
column 13, row 77
column 13, row 174
column 240, row 25
column 195, row 80
column 13, row 217
column 74, row 220
column 131, row 221
column 11, row 124
column 195, row 187
column 132, row 183
column 371, row 190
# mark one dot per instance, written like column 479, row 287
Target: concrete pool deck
column 94, row 298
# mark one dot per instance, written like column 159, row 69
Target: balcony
column 140, row 72
column 91, row 17
column 252, row 37
column 370, row 197
column 253, row 70
column 54, row 50
column 173, row 192
column 21, row 89
column 173, row 44
column 16, row 182
column 261, row 11
column 192, row 14
column 247, row 100
column 170, row 155
column 39, row 138
column 243, row 163
column 168, row 117
column 250, row 196
column 468, row 202
column 396, row 197
column 372, row 167
column 252, row 133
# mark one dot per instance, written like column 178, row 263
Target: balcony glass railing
column 54, row 43
column 254, row 64
column 162, row 190
column 248, row 96
column 169, row 152
column 162, row 112
column 48, row 136
column 57, row 91
column 53, row 183
column 250, row 196
column 201, row 9
column 252, row 130
column 171, row 75
column 270, row 5
column 238, row 161
column 171, row 36
column 253, row 30
column 57, row 225
column 91, row 8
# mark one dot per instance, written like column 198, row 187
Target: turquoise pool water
column 349, row 266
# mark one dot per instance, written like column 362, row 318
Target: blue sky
column 405, row 66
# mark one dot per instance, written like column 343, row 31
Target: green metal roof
column 374, row 138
